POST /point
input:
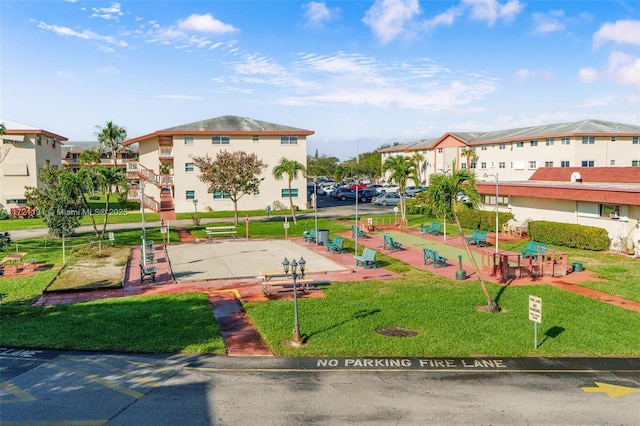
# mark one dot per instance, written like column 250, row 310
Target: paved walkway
column 227, row 295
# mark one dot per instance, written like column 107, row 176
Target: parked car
column 358, row 186
column 413, row 190
column 367, row 195
column 385, row 189
column 374, row 186
column 345, row 194
column 389, row 199
column 462, row 197
column 330, row 190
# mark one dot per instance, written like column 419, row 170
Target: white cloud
column 180, row 97
column 317, row 13
column 492, row 10
column 524, row 75
column 624, row 68
column 588, row 75
column 389, row 19
column 205, row 24
column 625, row 31
column 112, row 12
column 549, row 22
column 84, row 35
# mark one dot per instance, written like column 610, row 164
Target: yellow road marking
column 614, row 391
column 99, row 380
column 21, row 395
column 235, row 292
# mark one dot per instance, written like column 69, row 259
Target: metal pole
column 497, row 233
column 142, row 183
column 535, row 335
column 315, row 208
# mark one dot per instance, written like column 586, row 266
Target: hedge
column 569, row 235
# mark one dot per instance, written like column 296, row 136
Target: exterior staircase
column 138, row 172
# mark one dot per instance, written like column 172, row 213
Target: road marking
column 614, row 391
column 99, row 380
column 20, row 395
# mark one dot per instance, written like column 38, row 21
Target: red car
column 359, row 186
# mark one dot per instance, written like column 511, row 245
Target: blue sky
column 358, row 73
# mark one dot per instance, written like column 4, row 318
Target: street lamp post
column 497, row 233
column 144, row 235
column 297, row 340
column 195, row 206
column 444, row 234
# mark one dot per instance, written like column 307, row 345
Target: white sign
column 286, row 225
column 111, row 236
column 535, row 309
column 163, row 229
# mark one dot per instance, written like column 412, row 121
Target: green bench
column 479, row 238
column 310, row 236
column 391, row 244
column 336, row 245
column 357, row 232
column 433, row 229
column 367, row 259
column 432, row 256
column 534, row 249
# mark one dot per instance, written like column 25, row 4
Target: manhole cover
column 397, row 332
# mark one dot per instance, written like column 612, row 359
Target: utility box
column 322, row 236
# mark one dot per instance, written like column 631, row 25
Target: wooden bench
column 391, row 244
column 367, row 259
column 432, row 256
column 310, row 236
column 534, row 249
column 434, row 228
column 221, row 230
column 479, row 238
column 336, row 245
column 267, row 277
column 357, row 232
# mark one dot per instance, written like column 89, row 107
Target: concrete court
column 217, row 259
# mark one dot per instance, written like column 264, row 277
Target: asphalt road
column 49, row 387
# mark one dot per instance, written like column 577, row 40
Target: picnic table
column 267, row 280
column 14, row 258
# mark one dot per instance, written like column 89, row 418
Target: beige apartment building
column 515, row 154
column 71, row 155
column 166, row 172
column 24, row 151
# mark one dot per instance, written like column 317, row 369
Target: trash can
column 322, row 236
column 577, row 267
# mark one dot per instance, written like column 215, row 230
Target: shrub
column 482, row 220
column 4, row 215
column 569, row 235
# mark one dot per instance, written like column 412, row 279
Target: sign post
column 246, row 226
column 286, row 228
column 535, row 315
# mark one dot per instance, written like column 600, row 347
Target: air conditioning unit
column 614, row 215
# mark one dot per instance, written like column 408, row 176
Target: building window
column 519, row 144
column 612, row 162
column 483, row 165
column 220, row 140
column 587, row 163
column 483, row 148
column 255, row 138
column 288, row 140
column 548, row 163
column 565, row 141
column 534, row 143
column 565, row 164
column 502, row 165
column 220, row 194
column 635, row 163
column 285, row 192
column 549, row 141
column 588, row 140
column 473, row 164
column 188, row 140
column 613, row 138
column 463, row 165
column 533, row 165
column 610, row 210
column 19, row 201
column 189, row 167
column 502, row 146
column 635, row 140
column 491, row 200
column 190, row 194
column 440, row 151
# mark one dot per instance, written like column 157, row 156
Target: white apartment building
column 179, row 189
column 23, row 152
column 515, row 154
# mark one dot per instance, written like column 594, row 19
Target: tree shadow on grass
column 362, row 313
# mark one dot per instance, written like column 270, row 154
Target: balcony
column 165, row 153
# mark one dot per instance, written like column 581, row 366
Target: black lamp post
column 297, row 340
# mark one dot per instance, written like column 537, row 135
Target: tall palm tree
column 108, row 178
column 291, row 168
column 76, row 186
column 402, row 169
column 111, row 137
column 443, row 195
column 470, row 154
column 418, row 159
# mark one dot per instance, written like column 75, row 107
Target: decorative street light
column 195, row 206
column 297, row 340
column 495, row 176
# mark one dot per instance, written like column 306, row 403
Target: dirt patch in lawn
column 91, row 270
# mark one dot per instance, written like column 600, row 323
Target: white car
column 388, row 189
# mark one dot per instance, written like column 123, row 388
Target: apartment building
column 71, row 155
column 166, row 172
column 516, row 154
column 24, row 151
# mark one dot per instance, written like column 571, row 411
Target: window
column 549, row 141
column 288, row 140
column 220, row 195
column 440, row 150
column 519, row 144
column 613, row 138
column 502, row 165
column 188, row 140
column 534, row 143
column 189, row 167
column 533, row 165
column 635, row 140
column 220, row 140
column 502, row 146
column 548, row 163
column 463, row 165
column 635, row 163
column 612, row 162
column 588, row 140
column 565, row 141
column 285, row 192
column 565, row 164
column 483, row 165
column 491, row 200
column 190, row 194
column 255, row 138
column 483, row 148
column 473, row 164
column 610, row 210
column 17, row 201
column 587, row 163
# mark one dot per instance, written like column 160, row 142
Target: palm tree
column 291, row 168
column 418, row 159
column 111, row 137
column 470, row 154
column 107, row 179
column 76, row 185
column 443, row 195
column 402, row 169
column 89, row 157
